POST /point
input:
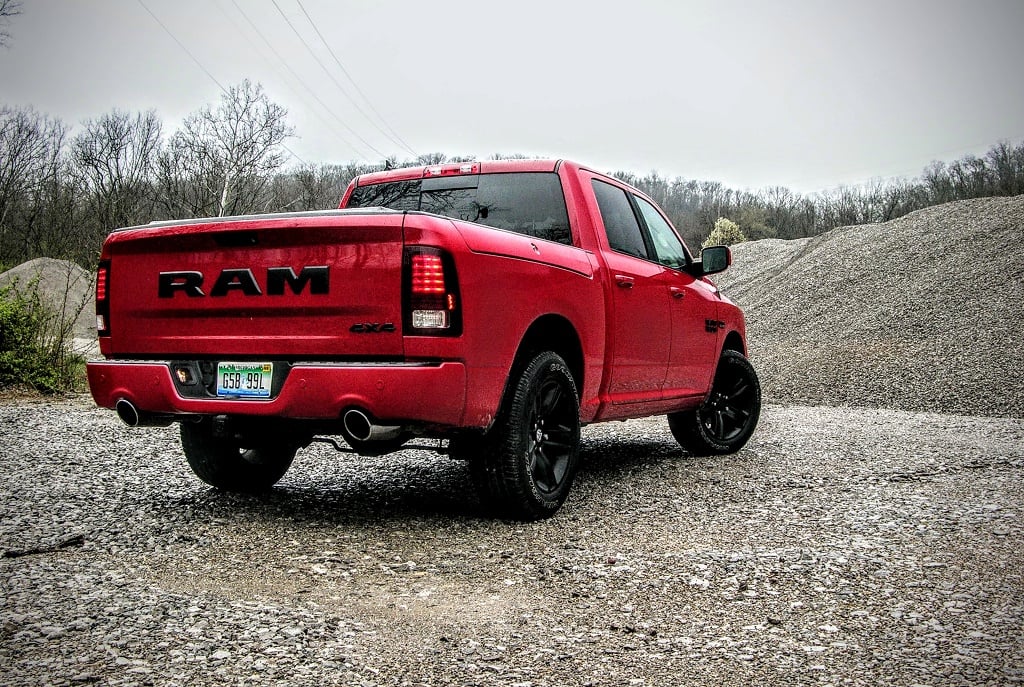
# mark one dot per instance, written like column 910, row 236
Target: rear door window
column 620, row 223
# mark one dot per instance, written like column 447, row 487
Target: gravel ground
column 841, row 547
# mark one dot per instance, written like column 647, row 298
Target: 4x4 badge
column 372, row 327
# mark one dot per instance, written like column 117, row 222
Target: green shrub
column 35, row 343
column 725, row 233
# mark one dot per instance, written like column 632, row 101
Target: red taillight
column 102, row 301
column 431, row 293
column 427, row 275
column 101, row 283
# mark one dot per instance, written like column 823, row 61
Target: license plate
column 244, row 380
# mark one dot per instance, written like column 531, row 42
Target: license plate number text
column 246, row 380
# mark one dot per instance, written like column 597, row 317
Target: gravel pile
column 920, row 313
column 842, row 546
column 67, row 290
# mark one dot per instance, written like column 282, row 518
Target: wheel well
column 554, row 333
column 734, row 342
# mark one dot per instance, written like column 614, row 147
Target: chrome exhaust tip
column 360, row 427
column 133, row 417
column 128, row 413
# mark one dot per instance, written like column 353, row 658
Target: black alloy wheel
column 728, row 416
column 550, row 422
column 729, row 408
column 524, row 466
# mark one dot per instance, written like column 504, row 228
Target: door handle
column 623, row 281
column 677, row 292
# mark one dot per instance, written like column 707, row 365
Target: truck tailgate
column 303, row 285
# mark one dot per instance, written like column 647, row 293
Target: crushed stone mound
column 63, row 286
column 925, row 312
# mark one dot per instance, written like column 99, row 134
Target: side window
column 667, row 247
column 619, row 221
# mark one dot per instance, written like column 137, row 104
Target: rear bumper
column 428, row 393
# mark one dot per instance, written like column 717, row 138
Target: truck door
column 639, row 325
column 693, row 311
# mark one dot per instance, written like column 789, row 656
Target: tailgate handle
column 235, row 239
column 624, row 281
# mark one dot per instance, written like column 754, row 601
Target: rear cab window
column 529, row 203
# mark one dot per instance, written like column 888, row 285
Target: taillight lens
column 103, row 299
column 431, row 293
column 427, row 274
column 101, row 283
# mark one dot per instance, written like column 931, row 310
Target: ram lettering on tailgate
column 242, row 280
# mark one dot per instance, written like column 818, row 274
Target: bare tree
column 432, row 159
column 1006, row 163
column 182, row 190
column 115, row 162
column 30, row 163
column 8, row 9
column 752, row 219
column 780, row 204
column 936, row 179
column 322, row 186
column 222, row 160
column 311, row 187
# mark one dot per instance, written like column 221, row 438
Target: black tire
column 469, row 448
column 532, row 452
column 727, row 418
column 224, row 464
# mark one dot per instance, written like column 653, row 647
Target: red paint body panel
column 644, row 349
column 362, row 251
column 312, row 392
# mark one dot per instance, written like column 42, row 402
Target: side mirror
column 715, row 259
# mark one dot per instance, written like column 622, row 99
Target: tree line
column 777, row 212
column 61, row 192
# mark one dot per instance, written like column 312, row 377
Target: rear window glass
column 397, row 195
column 529, row 203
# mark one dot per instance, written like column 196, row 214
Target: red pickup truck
column 494, row 306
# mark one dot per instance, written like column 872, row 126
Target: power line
column 204, row 69
column 182, row 46
column 299, row 79
column 329, row 75
column 393, row 134
column 330, row 127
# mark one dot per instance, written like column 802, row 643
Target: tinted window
column 397, row 195
column 619, row 221
column 667, row 246
column 526, row 203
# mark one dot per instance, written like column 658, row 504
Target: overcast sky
column 808, row 94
